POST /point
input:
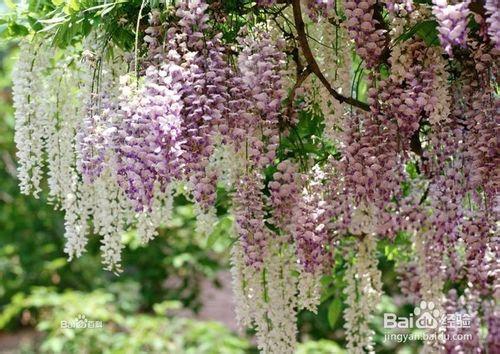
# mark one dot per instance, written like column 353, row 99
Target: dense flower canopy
column 333, row 125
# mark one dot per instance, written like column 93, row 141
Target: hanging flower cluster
column 452, row 23
column 492, row 8
column 401, row 142
column 364, row 29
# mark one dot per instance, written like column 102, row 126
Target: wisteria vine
column 118, row 132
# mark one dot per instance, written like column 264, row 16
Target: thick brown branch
column 312, row 63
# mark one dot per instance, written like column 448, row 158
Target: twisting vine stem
column 313, row 64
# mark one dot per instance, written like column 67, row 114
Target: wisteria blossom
column 339, row 136
column 452, row 19
column 364, row 30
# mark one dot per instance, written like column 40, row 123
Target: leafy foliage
column 123, row 330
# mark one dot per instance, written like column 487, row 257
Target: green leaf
column 391, row 252
column 18, row 30
column 328, row 293
column 34, row 23
column 53, row 20
column 220, row 229
column 427, row 30
column 54, row 265
column 334, row 312
column 107, row 10
column 154, row 3
column 212, row 238
column 74, row 5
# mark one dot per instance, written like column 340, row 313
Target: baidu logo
column 427, row 315
column 81, row 322
column 424, row 316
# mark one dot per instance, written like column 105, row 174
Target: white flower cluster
column 309, row 296
column 282, row 290
column 363, row 290
column 267, row 297
column 54, row 100
column 441, row 98
column 31, row 114
column 243, row 299
column 431, row 284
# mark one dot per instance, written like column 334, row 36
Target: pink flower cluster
column 492, row 8
column 147, row 140
column 257, row 95
column 250, row 219
column 284, row 194
column 165, row 128
column 370, row 174
column 310, row 229
column 408, row 97
column 452, row 21
column 319, row 8
column 363, row 28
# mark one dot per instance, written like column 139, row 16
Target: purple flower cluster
column 363, row 29
column 204, row 95
column 476, row 234
column 492, row 8
column 409, row 281
column 376, row 146
column 319, row 8
column 147, row 139
column 482, row 112
column 94, row 136
column 266, row 3
column 164, row 129
column 398, row 6
column 444, row 166
column 452, row 21
column 310, row 231
column 262, row 65
column 256, row 96
column 284, row 194
column 493, row 323
column 483, row 148
column 445, row 194
column 407, row 98
column 465, row 305
column 250, row 219
column 370, row 172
